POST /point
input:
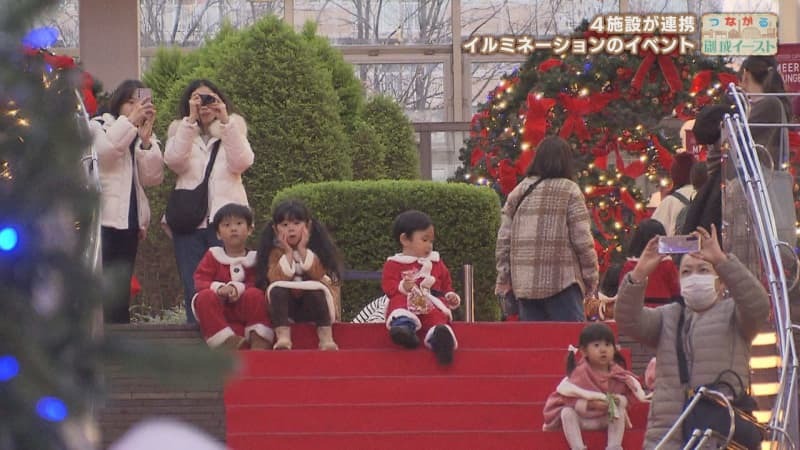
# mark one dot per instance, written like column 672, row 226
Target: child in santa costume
column 595, row 393
column 231, row 311
column 419, row 288
column 300, row 267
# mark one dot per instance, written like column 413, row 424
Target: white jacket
column 187, row 155
column 669, row 208
column 111, row 139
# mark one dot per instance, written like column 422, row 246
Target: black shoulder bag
column 710, row 413
column 186, row 208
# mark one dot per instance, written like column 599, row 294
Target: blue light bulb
column 52, row 409
column 9, row 367
column 8, row 239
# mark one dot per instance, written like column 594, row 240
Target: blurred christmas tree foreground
column 51, row 351
column 610, row 108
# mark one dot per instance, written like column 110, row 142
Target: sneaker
column 404, row 336
column 442, row 344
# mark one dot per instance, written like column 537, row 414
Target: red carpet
column 372, row 395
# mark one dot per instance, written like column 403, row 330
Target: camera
column 207, row 99
column 678, row 244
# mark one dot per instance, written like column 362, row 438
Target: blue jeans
column 189, row 250
column 566, row 306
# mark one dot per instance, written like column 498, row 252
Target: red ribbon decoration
column 627, row 199
column 668, row 69
column 600, row 225
column 475, row 158
column 536, row 118
column 524, row 160
column 508, row 176
column 577, row 108
column 548, row 64
column 701, row 81
column 664, row 155
column 67, row 62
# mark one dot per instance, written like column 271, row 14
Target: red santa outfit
column 218, row 318
column 427, row 306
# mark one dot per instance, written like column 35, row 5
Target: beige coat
column 716, row 340
column 547, row 244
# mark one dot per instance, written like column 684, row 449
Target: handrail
column 743, row 157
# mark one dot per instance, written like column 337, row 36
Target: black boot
column 442, row 344
column 402, row 333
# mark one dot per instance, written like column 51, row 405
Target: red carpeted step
column 420, row 361
column 309, row 390
column 470, row 335
column 426, row 439
column 394, row 416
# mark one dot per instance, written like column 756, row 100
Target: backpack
column 680, row 219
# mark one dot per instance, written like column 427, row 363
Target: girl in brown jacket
column 299, row 265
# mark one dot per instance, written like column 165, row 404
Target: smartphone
column 143, row 94
column 678, row 244
column 207, row 99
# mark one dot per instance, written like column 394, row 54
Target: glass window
column 187, row 23
column 419, row 88
column 347, row 22
column 485, row 78
column 63, row 16
column 528, row 17
column 445, row 147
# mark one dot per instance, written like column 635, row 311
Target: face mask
column 699, row 291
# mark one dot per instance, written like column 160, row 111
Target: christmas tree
column 610, row 108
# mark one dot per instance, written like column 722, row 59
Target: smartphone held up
column 143, row 94
column 669, row 245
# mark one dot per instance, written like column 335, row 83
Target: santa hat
column 680, row 169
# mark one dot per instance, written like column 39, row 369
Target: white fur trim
column 569, row 389
column 308, row 261
column 248, row 260
column 308, row 285
column 402, row 312
column 194, row 297
column 439, row 304
column 236, row 271
column 240, row 287
column 286, row 266
column 215, row 285
column 219, row 337
column 261, row 330
column 428, row 281
column 407, row 259
column 429, row 334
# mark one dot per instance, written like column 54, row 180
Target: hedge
column 359, row 215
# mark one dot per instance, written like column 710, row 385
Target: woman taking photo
column 207, row 128
column 129, row 158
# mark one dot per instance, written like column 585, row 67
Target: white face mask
column 699, row 291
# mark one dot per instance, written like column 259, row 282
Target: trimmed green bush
column 348, row 88
column 396, row 133
column 359, row 214
column 368, row 153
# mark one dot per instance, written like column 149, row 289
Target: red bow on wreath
column 577, row 108
column 67, row 62
column 536, row 118
column 668, row 69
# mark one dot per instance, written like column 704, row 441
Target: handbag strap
column 683, row 366
column 211, row 159
column 526, row 193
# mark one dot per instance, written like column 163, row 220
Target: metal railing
column 743, row 157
